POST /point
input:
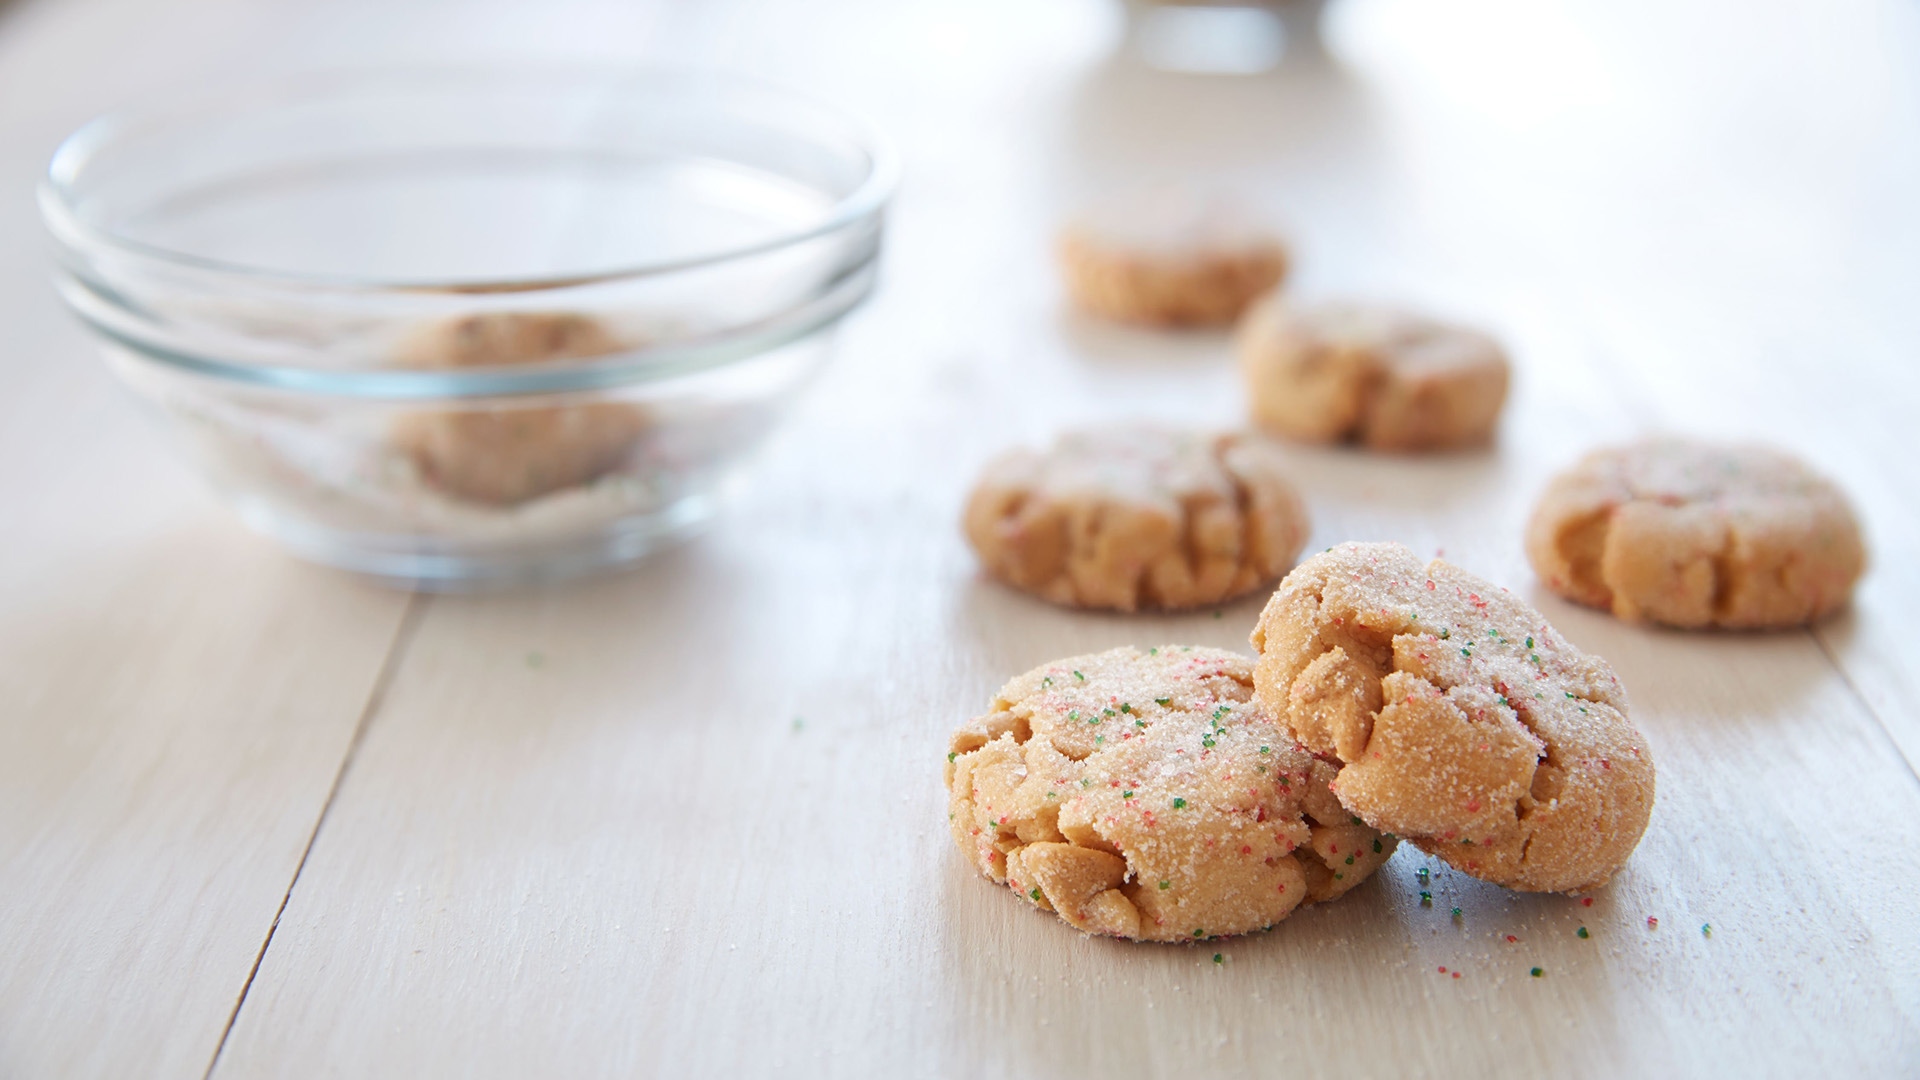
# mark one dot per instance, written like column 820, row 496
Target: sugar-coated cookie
column 509, row 453
column 1697, row 534
column 1377, row 375
column 1463, row 722
column 1142, row 795
column 1170, row 258
column 1133, row 517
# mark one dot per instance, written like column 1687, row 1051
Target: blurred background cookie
column 509, row 454
column 1170, row 257
column 1141, row 795
column 1697, row 534
column 1378, row 375
column 1137, row 517
column 1463, row 722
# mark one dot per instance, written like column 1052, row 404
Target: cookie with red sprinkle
column 1461, row 720
column 1141, row 794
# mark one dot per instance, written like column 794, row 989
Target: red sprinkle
column 1511, row 939
column 1443, row 969
column 1653, row 923
column 1586, row 901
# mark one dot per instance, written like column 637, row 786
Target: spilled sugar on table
column 258, row 818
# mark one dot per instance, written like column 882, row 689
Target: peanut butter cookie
column 1462, row 721
column 1137, row 518
column 1170, row 258
column 1385, row 378
column 1141, row 795
column 1697, row 534
column 509, row 453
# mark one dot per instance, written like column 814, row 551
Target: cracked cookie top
column 1462, row 721
column 1138, row 518
column 1697, row 534
column 1386, row 378
column 1142, row 795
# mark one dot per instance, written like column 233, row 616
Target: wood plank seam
column 1865, row 705
column 396, row 651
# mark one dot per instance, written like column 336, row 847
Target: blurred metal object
column 1244, row 38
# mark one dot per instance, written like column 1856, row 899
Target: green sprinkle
column 1529, row 643
column 1456, row 913
column 1197, row 932
column 1166, row 885
column 1376, row 846
column 1073, row 714
column 1464, row 652
column 1582, row 934
column 1537, row 972
column 951, row 756
column 1098, row 739
column 1421, row 874
column 1084, row 783
column 1079, row 676
column 1264, row 749
column 1357, row 821
column 1426, row 898
column 1163, row 701
column 1339, row 877
column 1349, row 860
column 1706, row 929
column 1207, row 741
column 1106, row 712
column 1126, row 794
column 1051, row 795
column 1445, row 633
column 1179, row 803
column 1139, row 723
column 1126, row 708
column 1218, row 959
column 1036, row 895
column 1048, row 681
column 1155, row 651
column 1468, row 843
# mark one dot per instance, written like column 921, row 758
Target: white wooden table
column 260, row 818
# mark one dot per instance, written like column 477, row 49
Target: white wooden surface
column 687, row 821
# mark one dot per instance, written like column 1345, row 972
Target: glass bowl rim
column 56, row 193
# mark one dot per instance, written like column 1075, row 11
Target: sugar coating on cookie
column 1170, row 257
column 1463, row 722
column 1697, row 534
column 509, row 453
column 1385, row 378
column 1133, row 518
column 1141, row 794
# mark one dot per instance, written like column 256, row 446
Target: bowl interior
column 466, row 179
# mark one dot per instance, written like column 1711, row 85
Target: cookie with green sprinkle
column 1461, row 720
column 1142, row 795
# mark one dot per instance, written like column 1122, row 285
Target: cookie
column 1132, row 518
column 509, row 453
column 1697, row 534
column 1170, row 259
column 1385, row 378
column 1141, row 795
column 1462, row 721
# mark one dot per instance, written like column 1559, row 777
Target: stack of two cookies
column 1181, row 792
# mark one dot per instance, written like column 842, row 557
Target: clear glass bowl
column 459, row 327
